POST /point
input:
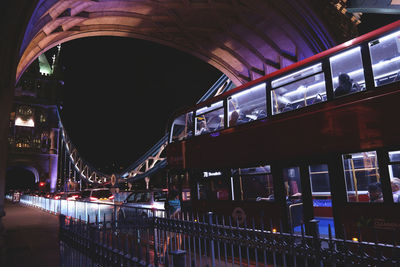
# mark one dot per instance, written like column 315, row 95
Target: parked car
column 58, row 195
column 99, row 195
column 143, row 203
column 72, row 196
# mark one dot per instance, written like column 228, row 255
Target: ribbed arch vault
column 244, row 39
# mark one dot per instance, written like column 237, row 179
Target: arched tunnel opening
column 19, row 178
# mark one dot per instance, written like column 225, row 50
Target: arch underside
column 244, row 39
column 28, row 166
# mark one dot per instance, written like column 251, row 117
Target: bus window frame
column 382, row 180
column 199, row 177
column 195, row 115
column 298, row 69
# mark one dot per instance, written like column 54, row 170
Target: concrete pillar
column 14, row 17
column 53, row 167
column 54, row 135
column 6, row 96
column 53, row 160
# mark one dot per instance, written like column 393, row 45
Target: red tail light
column 93, row 198
column 57, row 197
column 112, row 197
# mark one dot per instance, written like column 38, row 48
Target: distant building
column 33, row 126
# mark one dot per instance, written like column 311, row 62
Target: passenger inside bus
column 318, row 98
column 261, row 114
column 395, row 183
column 375, row 192
column 203, row 128
column 287, row 108
column 234, row 118
column 346, row 85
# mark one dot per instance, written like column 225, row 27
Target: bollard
column 178, row 258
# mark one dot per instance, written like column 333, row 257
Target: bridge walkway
column 31, row 237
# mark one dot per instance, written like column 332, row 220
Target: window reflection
column 248, row 105
column 214, row 188
column 182, row 127
column 385, row 57
column 394, row 173
column 256, row 184
column 303, row 88
column 209, row 119
column 347, row 72
column 320, row 188
column 362, row 177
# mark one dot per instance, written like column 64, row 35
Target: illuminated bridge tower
column 33, row 126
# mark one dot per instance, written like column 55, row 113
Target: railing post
column 210, row 222
column 178, row 258
column 314, row 228
column 155, row 233
column 317, row 243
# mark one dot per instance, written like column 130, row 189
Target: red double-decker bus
column 317, row 140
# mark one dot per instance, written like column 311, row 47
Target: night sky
column 120, row 92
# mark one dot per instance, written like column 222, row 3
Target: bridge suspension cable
column 72, row 165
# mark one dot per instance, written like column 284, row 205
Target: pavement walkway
column 31, row 237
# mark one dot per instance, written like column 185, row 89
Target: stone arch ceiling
column 244, row 39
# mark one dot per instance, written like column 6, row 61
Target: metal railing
column 213, row 241
column 146, row 238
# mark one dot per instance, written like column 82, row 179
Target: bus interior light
column 387, row 37
column 345, row 54
column 245, row 92
column 385, row 62
column 297, row 75
column 209, row 108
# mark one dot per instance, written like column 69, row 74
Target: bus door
column 254, row 196
column 308, row 197
column 213, row 191
column 318, row 176
column 293, row 197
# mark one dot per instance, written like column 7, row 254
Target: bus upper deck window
column 182, row 127
column 302, row 88
column 210, row 118
column 248, row 105
column 362, row 177
column 347, row 72
column 385, row 57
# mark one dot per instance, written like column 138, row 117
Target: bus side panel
column 176, row 155
column 267, row 214
column 372, row 222
column 351, row 126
